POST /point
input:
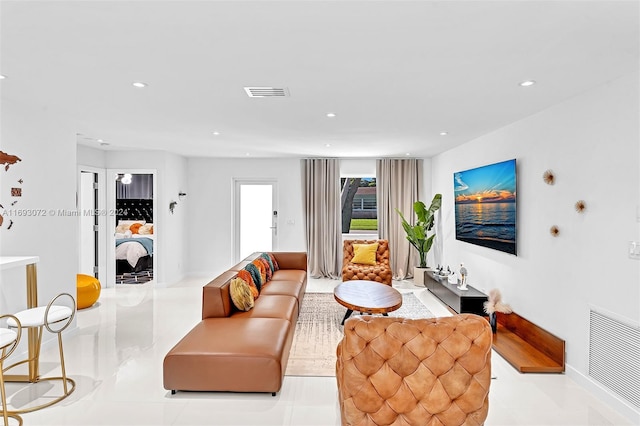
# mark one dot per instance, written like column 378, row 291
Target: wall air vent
column 614, row 355
column 266, row 92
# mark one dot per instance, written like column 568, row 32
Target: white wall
column 591, row 142
column 170, row 179
column 210, row 229
column 47, row 146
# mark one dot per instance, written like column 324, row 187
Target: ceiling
column 395, row 73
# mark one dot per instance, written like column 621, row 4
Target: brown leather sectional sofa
column 236, row 351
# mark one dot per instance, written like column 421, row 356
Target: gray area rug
column 318, row 332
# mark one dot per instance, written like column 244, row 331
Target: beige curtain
column 398, row 186
column 321, row 195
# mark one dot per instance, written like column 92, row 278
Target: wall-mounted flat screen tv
column 485, row 205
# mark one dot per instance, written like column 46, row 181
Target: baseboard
column 604, row 394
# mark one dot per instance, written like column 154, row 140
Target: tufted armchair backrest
column 380, row 272
column 424, row 372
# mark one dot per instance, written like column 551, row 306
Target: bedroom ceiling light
column 328, row 145
column 139, row 84
column 2, row 76
column 216, row 133
column 527, row 83
column 331, row 114
column 444, row 133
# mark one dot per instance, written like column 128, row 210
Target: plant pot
column 418, row 275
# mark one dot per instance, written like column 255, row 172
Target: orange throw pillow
column 135, row 227
column 246, row 277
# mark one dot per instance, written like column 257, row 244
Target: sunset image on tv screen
column 485, row 206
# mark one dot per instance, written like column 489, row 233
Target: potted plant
column 417, row 234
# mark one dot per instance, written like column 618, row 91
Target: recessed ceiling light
column 444, row 133
column 408, row 153
column 216, row 133
column 327, row 145
column 100, row 140
column 247, row 154
column 2, row 77
column 139, row 84
column 331, row 114
column 527, row 83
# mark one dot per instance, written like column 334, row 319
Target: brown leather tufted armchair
column 380, row 272
column 425, row 372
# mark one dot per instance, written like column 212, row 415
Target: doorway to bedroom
column 133, row 248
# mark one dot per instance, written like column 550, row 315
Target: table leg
column 32, row 302
column 346, row 315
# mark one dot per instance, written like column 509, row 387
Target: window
column 359, row 205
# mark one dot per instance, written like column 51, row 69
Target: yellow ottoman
column 88, row 290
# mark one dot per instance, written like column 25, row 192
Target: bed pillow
column 135, row 227
column 365, row 254
column 241, row 294
column 122, row 228
column 246, row 276
column 146, row 229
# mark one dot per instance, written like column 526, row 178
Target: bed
column 134, row 235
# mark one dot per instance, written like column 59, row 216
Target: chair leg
column 64, row 372
column 4, row 395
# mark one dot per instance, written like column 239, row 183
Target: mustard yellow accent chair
column 88, row 290
column 380, row 271
column 422, row 372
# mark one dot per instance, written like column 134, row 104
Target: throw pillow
column 241, row 294
column 364, row 254
column 263, row 271
column 266, row 257
column 145, row 229
column 255, row 274
column 267, row 268
column 122, row 228
column 274, row 261
column 246, row 276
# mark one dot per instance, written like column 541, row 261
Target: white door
column 255, row 217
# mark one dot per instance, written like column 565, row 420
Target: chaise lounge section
column 241, row 351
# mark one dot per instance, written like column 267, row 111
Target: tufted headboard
column 134, row 209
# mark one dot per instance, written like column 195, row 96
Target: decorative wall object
column 580, row 206
column 485, row 206
column 554, row 230
column 548, row 177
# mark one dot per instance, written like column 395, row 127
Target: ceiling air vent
column 266, row 92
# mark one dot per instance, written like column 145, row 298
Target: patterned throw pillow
column 263, row 270
column 266, row 257
column 274, row 261
column 255, row 274
column 135, row 227
column 241, row 294
column 246, row 276
column 267, row 268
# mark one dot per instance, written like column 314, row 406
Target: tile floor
column 116, row 357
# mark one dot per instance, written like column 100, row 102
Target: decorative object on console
column 495, row 304
column 580, row 206
column 463, row 277
column 549, row 177
column 554, row 230
column 417, row 235
column 485, row 206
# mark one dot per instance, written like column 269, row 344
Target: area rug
column 318, row 331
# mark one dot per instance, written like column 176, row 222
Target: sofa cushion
column 230, row 354
column 241, row 294
column 273, row 306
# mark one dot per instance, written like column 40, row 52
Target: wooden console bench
column 527, row 347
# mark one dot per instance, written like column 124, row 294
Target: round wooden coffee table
column 367, row 297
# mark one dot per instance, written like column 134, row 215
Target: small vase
column 493, row 322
